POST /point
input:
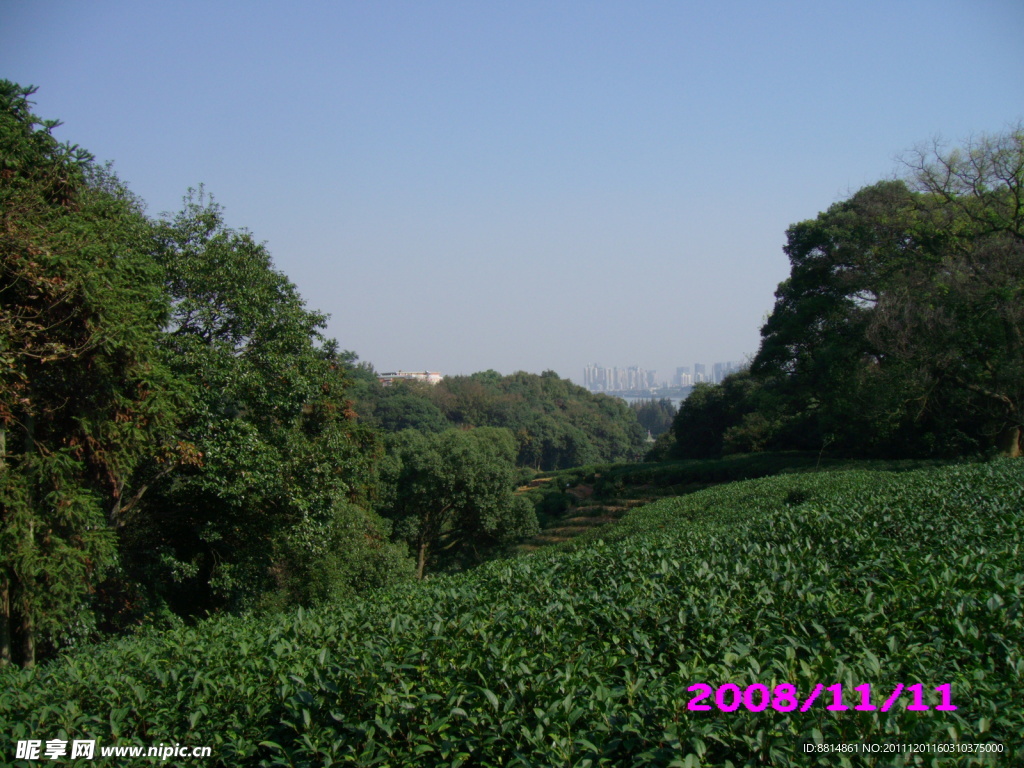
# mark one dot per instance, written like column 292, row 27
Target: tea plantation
column 588, row 657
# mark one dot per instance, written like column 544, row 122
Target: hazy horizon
column 536, row 186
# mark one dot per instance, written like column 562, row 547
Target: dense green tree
column 408, row 411
column 899, row 329
column 451, row 495
column 284, row 475
column 403, row 405
column 664, row 448
column 83, row 394
column 655, row 416
column 709, row 412
column 175, row 430
column 814, row 346
column 955, row 322
column 557, row 424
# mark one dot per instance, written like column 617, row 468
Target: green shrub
column 586, row 657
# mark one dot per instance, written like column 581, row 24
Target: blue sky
column 520, row 186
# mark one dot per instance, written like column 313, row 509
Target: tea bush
column 587, row 657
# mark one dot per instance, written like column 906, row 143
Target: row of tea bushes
column 587, row 657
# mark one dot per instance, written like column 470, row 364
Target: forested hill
column 556, row 423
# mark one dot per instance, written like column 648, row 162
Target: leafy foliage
column 175, row 432
column 451, row 494
column 967, row 299
column 899, row 329
column 655, row 415
column 586, row 657
column 84, row 396
column 279, row 499
column 709, row 412
column 556, row 423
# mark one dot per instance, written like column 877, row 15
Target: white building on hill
column 430, row 377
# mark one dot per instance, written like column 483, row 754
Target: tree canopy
column 556, row 424
column 899, row 329
column 84, row 393
column 286, row 475
column 176, row 436
column 451, row 494
column 655, row 416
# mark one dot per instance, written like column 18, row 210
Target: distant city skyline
column 598, row 378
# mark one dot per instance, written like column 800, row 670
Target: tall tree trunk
column 5, row 621
column 421, row 559
column 27, row 631
column 5, row 585
column 24, row 626
column 1008, row 442
column 430, row 524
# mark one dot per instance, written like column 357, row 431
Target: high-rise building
column 631, row 379
column 720, row 370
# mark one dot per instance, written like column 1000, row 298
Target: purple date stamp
column 783, row 698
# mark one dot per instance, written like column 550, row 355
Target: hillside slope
column 589, row 657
